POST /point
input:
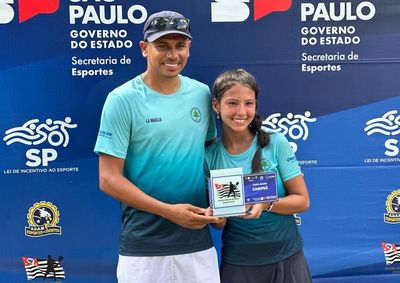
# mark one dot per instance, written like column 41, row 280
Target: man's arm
column 113, row 183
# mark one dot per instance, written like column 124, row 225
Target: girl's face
column 236, row 108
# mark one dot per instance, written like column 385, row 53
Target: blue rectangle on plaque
column 260, row 188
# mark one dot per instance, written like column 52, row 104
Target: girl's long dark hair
column 223, row 83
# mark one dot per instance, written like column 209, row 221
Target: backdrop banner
column 329, row 76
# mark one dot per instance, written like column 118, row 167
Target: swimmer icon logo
column 33, row 133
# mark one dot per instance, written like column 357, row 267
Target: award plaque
column 226, row 192
column 260, row 187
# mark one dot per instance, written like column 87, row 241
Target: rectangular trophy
column 260, row 187
column 227, row 192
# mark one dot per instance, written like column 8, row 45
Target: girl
column 265, row 245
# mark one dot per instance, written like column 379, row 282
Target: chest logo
column 264, row 164
column 195, row 114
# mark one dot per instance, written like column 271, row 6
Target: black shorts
column 293, row 269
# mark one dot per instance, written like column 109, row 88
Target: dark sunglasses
column 162, row 23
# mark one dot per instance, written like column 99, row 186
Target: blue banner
column 329, row 80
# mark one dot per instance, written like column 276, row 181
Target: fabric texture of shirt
column 272, row 237
column 161, row 138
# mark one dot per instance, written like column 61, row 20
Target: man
column 151, row 149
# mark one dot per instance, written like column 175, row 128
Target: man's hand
column 190, row 216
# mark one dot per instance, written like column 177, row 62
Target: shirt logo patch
column 105, row 134
column 195, row 114
column 264, row 164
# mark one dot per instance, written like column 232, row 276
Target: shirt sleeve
column 211, row 129
column 206, row 167
column 288, row 165
column 114, row 133
column 206, row 171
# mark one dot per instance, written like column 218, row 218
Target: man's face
column 166, row 56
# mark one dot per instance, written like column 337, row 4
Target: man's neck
column 162, row 85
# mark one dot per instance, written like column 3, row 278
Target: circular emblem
column 264, row 164
column 43, row 214
column 195, row 114
column 393, row 202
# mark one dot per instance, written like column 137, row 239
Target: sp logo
column 33, row 133
column 239, row 11
column 27, row 9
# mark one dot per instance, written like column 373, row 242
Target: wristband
column 270, row 207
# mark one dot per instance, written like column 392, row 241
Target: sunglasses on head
column 162, row 23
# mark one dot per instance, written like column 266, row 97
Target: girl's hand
column 255, row 210
column 221, row 220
